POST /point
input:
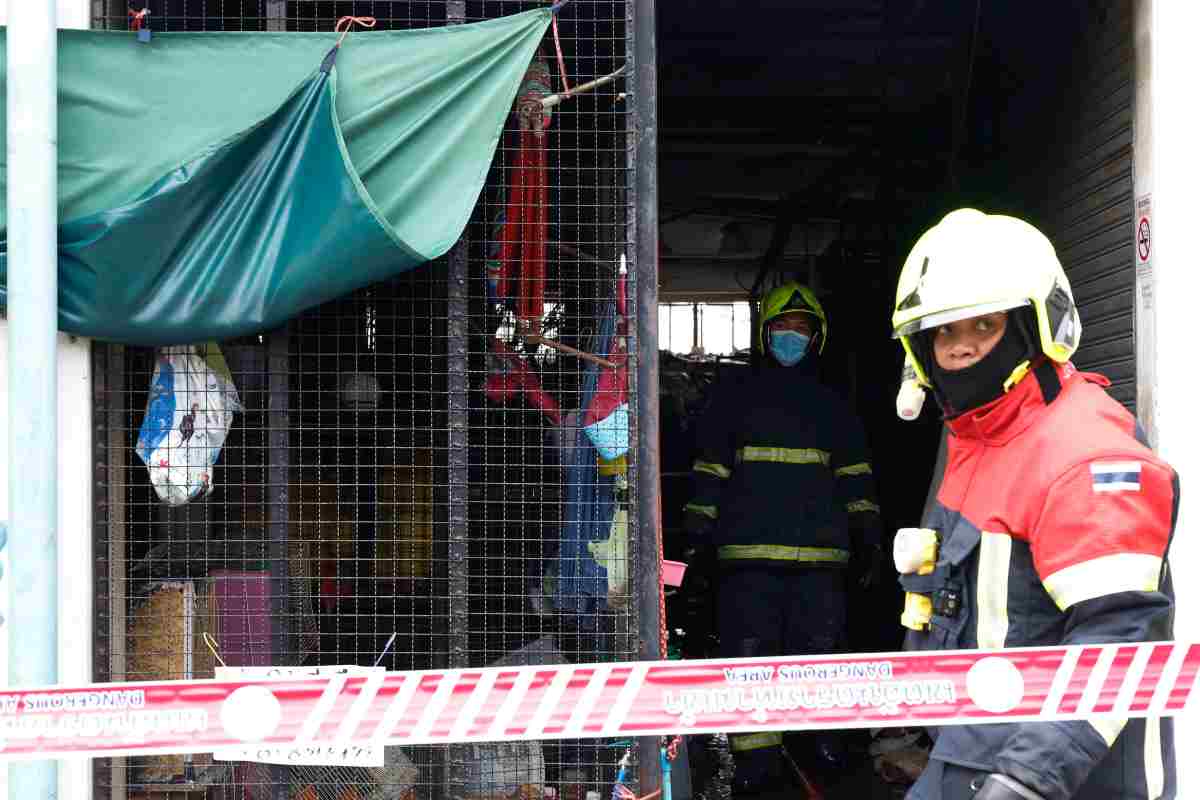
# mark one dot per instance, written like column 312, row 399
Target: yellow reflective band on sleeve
column 995, row 558
column 783, row 455
column 854, row 469
column 1153, row 758
column 859, row 506
column 740, row 742
column 1109, row 728
column 783, row 552
column 707, row 511
column 711, row 469
column 1120, row 572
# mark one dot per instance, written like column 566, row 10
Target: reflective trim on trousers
column 783, row 552
column 783, row 455
column 709, row 468
column 740, row 742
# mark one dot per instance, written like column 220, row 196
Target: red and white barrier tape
column 601, row 700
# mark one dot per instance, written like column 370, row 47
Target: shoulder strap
column 1048, row 380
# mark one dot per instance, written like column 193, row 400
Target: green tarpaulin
column 217, row 184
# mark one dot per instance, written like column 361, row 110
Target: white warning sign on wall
column 1143, row 240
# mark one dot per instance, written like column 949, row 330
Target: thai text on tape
column 375, row 708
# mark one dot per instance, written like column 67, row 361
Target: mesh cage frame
column 367, row 441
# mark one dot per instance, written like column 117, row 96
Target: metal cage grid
column 376, row 482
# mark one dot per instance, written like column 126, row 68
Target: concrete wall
column 1167, row 170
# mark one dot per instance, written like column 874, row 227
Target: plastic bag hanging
column 188, row 415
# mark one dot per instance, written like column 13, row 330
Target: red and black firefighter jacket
column 782, row 470
column 1055, row 520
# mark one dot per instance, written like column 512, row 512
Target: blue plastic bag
column 188, row 414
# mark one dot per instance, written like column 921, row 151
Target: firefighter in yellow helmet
column 1052, row 520
column 785, row 496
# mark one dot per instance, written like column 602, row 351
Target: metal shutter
column 1088, row 208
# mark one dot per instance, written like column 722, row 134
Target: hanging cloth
column 517, row 266
column 213, row 185
column 591, row 502
column 509, row 375
column 606, row 418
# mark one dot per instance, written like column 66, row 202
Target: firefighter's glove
column 866, row 564
column 1002, row 787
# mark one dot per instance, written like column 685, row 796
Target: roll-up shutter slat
column 1088, row 203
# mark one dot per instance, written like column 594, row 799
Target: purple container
column 243, row 610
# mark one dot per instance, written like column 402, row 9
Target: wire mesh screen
column 427, row 473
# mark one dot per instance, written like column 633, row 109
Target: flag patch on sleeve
column 1117, row 476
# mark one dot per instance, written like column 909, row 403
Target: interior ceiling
column 816, row 112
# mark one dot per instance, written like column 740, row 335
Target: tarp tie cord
column 554, row 8
column 672, row 748
column 562, row 66
column 350, row 22
column 583, row 88
column 212, row 646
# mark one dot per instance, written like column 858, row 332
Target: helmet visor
column 954, row 315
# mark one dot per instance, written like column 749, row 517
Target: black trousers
column 783, row 611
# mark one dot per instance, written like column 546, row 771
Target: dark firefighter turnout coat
column 782, row 470
column 1055, row 522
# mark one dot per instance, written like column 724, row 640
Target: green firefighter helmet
column 792, row 298
column 973, row 263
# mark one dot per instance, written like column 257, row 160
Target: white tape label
column 254, row 716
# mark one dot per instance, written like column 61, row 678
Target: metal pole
column 278, row 463
column 283, row 645
column 110, row 776
column 457, row 340
column 644, row 157
column 32, row 359
column 456, row 359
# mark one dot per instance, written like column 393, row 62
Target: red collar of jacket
column 1001, row 420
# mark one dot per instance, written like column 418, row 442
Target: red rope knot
column 350, row 22
column 138, row 18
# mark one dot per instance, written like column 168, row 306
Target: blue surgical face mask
column 789, row 347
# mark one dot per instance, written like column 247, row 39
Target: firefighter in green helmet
column 785, row 496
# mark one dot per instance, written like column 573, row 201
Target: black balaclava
column 959, row 391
